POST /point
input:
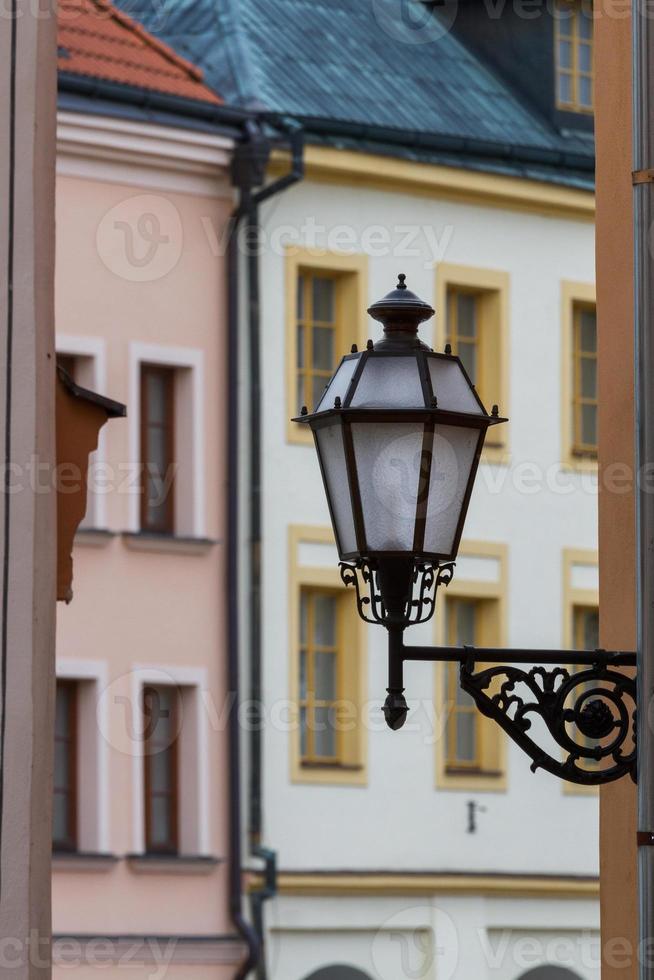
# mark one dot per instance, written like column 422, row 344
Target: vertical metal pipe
column 643, row 53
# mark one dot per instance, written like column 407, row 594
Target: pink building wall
column 126, row 291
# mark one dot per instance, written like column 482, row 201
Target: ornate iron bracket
column 589, row 713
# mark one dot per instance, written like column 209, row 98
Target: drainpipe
column 643, row 60
column 248, row 172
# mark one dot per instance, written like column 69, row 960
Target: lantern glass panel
column 452, row 462
column 388, row 459
column 339, row 385
column 451, row 388
column 389, row 382
column 329, row 440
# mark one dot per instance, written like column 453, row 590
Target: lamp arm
column 590, row 713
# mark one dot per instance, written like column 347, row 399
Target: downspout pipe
column 643, row 152
column 248, row 172
column 245, row 930
column 259, row 896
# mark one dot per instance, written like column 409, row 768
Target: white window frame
column 194, row 818
column 95, row 350
column 94, row 830
column 190, row 358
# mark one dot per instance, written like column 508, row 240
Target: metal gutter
column 416, row 139
column 643, row 136
column 185, row 111
column 248, row 171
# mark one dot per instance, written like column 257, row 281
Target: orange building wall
column 616, row 420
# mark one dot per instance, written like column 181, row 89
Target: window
column 64, row 823
column 319, row 676
column 328, row 666
column 157, row 449
column 463, row 328
column 463, row 749
column 318, row 335
column 574, row 55
column 586, row 628
column 475, row 325
column 326, row 300
column 470, row 748
column 584, row 380
column 161, row 720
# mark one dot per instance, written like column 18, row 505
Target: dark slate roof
column 343, row 68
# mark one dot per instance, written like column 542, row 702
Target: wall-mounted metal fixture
column 399, row 433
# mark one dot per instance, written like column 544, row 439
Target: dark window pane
column 589, row 425
column 591, row 630
column 304, row 741
column 467, row 315
column 323, row 300
column 160, row 722
column 157, row 438
column 465, row 623
column 325, row 676
column 324, row 607
column 323, row 348
column 318, row 386
column 466, row 749
column 160, row 821
column 585, row 57
column 468, row 355
column 155, row 394
column 324, row 735
column 565, row 54
column 303, row 675
column 62, row 765
column 565, row 89
column 60, row 826
column 585, row 25
column 588, row 377
column 588, row 323
column 585, row 92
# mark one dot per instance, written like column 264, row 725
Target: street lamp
column 399, row 432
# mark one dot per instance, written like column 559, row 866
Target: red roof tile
column 99, row 41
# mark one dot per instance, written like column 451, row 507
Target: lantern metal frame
column 397, row 589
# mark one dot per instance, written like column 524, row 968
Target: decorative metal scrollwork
column 420, row 605
column 590, row 714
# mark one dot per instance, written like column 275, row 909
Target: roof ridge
column 153, row 42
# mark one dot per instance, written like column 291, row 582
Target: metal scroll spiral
column 419, row 608
column 590, row 713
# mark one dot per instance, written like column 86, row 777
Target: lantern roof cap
column 401, row 312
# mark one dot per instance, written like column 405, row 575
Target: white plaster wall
column 445, row 937
column 400, row 820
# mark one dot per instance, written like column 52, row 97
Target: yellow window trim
column 571, row 598
column 494, row 333
column 351, row 305
column 493, row 632
column 572, row 294
column 386, row 173
column 353, row 747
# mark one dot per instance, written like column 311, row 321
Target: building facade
column 141, row 783
column 432, row 852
